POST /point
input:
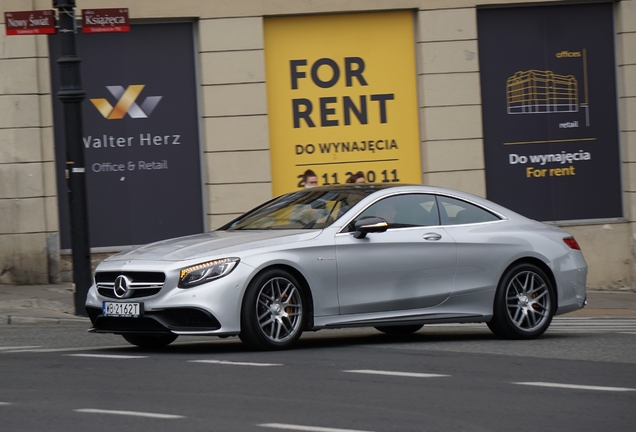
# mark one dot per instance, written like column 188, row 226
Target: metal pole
column 71, row 96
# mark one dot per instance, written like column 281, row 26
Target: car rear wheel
column 524, row 303
column 400, row 330
column 273, row 311
column 151, row 340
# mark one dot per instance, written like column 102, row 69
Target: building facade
column 529, row 103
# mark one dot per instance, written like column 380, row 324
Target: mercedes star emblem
column 122, row 286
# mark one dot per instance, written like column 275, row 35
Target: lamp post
column 71, row 96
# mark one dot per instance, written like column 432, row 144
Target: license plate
column 129, row 310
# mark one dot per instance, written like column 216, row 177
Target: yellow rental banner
column 342, row 99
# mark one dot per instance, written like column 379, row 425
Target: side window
column 402, row 211
column 456, row 212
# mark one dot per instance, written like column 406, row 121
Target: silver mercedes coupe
column 390, row 257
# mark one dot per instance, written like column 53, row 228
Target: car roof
column 370, row 188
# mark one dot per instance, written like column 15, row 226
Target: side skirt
column 437, row 318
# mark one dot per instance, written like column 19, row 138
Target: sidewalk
column 54, row 304
column 38, row 304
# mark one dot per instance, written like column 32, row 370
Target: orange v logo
column 126, row 103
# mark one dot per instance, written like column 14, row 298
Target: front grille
column 143, row 284
column 129, row 325
column 136, row 293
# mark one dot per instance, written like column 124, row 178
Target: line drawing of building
column 537, row 92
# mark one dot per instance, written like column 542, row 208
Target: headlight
column 206, row 272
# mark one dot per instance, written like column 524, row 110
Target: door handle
column 432, row 236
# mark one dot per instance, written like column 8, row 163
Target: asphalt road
column 580, row 376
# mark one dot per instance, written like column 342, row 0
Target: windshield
column 306, row 209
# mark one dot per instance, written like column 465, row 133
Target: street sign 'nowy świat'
column 30, row 22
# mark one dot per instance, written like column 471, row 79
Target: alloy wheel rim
column 279, row 309
column 528, row 301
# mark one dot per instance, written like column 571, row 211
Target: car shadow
column 324, row 339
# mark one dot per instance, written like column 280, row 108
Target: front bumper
column 172, row 320
column 209, row 309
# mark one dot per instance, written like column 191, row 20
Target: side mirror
column 369, row 225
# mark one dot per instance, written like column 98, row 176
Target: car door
column 410, row 266
column 483, row 247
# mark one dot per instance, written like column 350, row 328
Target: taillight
column 571, row 243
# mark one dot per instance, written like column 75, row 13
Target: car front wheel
column 524, row 303
column 273, row 311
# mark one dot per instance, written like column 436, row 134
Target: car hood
column 212, row 243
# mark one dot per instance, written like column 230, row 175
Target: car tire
column 400, row 330
column 150, row 340
column 524, row 303
column 273, row 312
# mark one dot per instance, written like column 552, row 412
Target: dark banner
column 141, row 138
column 550, row 110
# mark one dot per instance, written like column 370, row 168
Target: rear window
column 456, row 212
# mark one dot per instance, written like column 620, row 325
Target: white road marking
column 111, row 356
column 568, row 325
column 224, row 362
column 574, row 386
column 404, row 374
column 5, row 403
column 589, row 331
column 627, row 332
column 48, row 350
column 128, row 413
column 592, row 325
column 306, row 428
column 594, row 322
column 8, row 348
column 565, row 318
